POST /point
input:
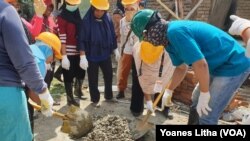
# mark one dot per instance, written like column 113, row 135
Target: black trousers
column 137, row 99
column 93, row 70
column 49, row 75
column 30, row 109
column 74, row 71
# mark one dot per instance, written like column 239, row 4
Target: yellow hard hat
column 53, row 41
column 73, row 2
column 150, row 53
column 100, row 4
column 127, row 2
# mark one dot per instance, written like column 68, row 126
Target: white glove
column 39, row 7
column 247, row 53
column 238, row 25
column 246, row 119
column 48, row 67
column 46, row 103
column 117, row 55
column 65, row 62
column 166, row 99
column 150, row 106
column 202, row 106
column 84, row 62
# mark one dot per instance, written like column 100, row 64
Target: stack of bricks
column 184, row 91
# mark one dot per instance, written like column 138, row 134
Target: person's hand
column 150, row 106
column 84, row 62
column 117, row 55
column 166, row 99
column 239, row 25
column 246, row 119
column 202, row 106
column 39, row 7
column 65, row 62
column 46, row 103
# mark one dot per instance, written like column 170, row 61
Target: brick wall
column 202, row 12
column 183, row 92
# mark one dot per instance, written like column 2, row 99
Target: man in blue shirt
column 218, row 61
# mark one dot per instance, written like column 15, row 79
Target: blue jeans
column 222, row 90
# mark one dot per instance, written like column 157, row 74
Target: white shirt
column 124, row 29
column 150, row 72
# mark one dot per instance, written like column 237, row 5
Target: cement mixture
column 79, row 123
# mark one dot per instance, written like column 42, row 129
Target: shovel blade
column 143, row 125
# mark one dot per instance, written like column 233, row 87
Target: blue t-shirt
column 190, row 41
column 40, row 59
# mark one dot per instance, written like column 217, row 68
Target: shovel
column 77, row 122
column 55, row 114
column 143, row 125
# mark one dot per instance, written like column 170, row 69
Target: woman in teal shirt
column 218, row 61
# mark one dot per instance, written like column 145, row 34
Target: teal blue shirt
column 41, row 52
column 190, row 41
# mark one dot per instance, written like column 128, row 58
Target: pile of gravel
column 110, row 128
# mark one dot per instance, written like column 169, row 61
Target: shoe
column 70, row 98
column 120, row 95
column 166, row 111
column 69, row 103
column 111, row 100
column 135, row 114
column 78, row 89
column 96, row 104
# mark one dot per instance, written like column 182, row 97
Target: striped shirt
column 67, row 34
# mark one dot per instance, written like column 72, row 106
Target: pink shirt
column 35, row 26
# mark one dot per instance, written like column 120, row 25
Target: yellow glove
column 40, row 7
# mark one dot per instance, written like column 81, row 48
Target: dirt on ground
column 110, row 118
column 49, row 129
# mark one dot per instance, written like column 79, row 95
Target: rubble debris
column 110, row 128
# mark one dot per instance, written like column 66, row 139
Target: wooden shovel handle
column 55, row 114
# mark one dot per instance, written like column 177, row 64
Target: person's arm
column 147, row 97
column 178, row 76
column 81, row 34
column 35, row 26
column 112, row 28
column 241, row 27
column 34, row 97
column 62, row 33
column 19, row 52
column 246, row 35
column 83, row 60
column 202, row 74
column 20, row 55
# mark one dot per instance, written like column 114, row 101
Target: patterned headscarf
column 156, row 34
